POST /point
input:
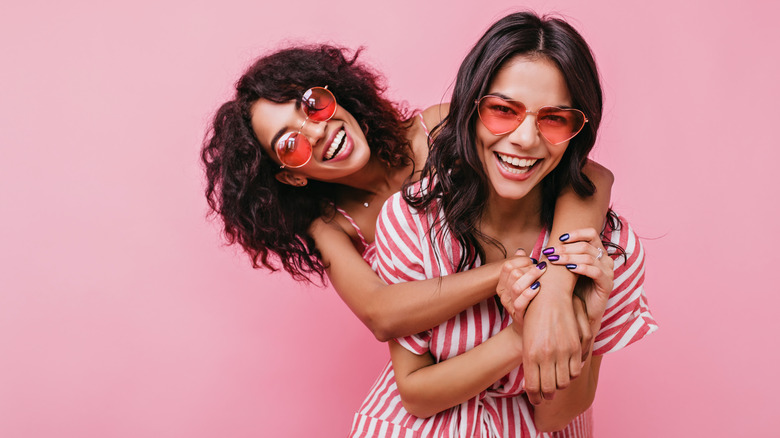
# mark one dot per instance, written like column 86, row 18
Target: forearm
column 402, row 309
column 573, row 212
column 427, row 388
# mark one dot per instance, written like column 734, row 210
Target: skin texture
column 512, row 218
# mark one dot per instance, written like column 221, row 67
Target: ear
column 291, row 178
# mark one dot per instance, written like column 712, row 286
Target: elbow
column 381, row 333
column 416, row 400
column 380, row 327
column 555, row 423
column 551, row 425
column 418, row 408
column 560, row 419
column 600, row 175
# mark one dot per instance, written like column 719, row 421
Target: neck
column 508, row 217
column 371, row 185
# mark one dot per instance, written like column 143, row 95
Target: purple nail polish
column 548, row 251
column 553, row 258
column 534, row 261
column 542, row 265
column 571, row 266
column 564, row 237
column 535, row 285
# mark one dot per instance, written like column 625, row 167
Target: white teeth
column 335, row 145
column 524, row 163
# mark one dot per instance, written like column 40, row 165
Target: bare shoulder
column 435, row 114
column 600, row 175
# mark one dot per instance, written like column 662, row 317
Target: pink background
column 122, row 315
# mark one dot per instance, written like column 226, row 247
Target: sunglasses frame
column 289, row 139
column 522, row 117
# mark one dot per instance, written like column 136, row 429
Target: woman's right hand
column 518, row 284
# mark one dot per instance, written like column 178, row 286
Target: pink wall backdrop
column 123, row 315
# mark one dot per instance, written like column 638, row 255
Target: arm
column 401, row 309
column 552, row 348
column 584, row 255
column 427, row 388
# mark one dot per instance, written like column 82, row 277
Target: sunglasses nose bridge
column 526, row 133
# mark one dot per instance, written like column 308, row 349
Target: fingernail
column 571, row 266
column 534, row 261
column 553, row 258
column 542, row 265
column 535, row 285
column 564, row 237
column 519, row 249
column 548, row 251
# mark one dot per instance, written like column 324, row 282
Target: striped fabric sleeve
column 399, row 255
column 627, row 317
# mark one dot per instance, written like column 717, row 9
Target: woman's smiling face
column 516, row 162
column 339, row 147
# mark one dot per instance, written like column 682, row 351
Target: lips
column 339, row 146
column 515, row 165
column 335, row 145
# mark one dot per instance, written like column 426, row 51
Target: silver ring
column 601, row 253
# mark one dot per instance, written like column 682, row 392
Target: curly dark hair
column 454, row 171
column 270, row 219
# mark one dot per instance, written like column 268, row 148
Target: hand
column 518, row 284
column 584, row 254
column 552, row 354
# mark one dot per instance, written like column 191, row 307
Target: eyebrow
column 281, row 131
column 277, row 136
column 505, row 97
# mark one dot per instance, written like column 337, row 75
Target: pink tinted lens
column 318, row 104
column 500, row 116
column 293, row 149
column 558, row 125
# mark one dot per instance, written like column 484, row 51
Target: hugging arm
column 402, row 309
column 553, row 346
column 427, row 387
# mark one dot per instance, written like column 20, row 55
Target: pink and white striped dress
column 405, row 253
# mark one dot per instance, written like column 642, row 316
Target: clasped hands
column 556, row 327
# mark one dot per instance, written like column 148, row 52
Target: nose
column 314, row 131
column 527, row 134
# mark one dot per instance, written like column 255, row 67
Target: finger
column 581, row 235
column 508, row 267
column 579, row 259
column 529, row 280
column 520, row 305
column 601, row 276
column 532, row 384
column 562, row 372
column 548, row 380
column 507, row 289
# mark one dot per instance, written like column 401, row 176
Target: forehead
column 268, row 118
column 536, row 81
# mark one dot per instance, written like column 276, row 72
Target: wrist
column 558, row 281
